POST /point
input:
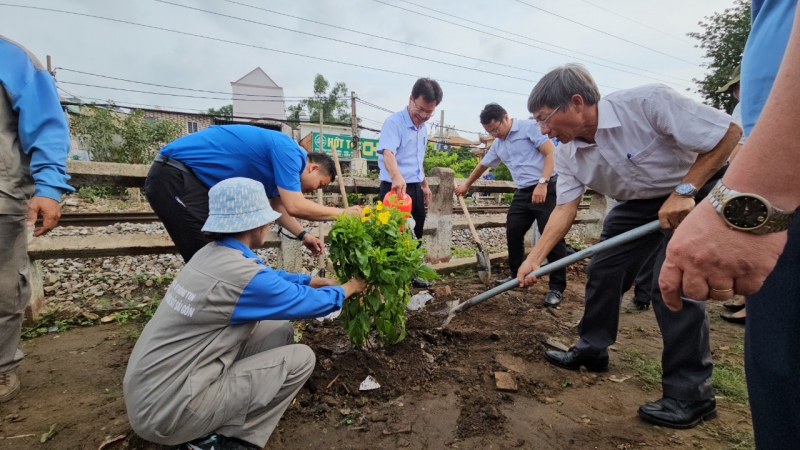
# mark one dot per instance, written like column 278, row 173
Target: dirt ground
column 437, row 386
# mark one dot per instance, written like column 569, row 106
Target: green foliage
column 647, row 369
column 356, row 199
column 122, row 138
column 333, row 103
column 501, row 173
column 379, row 249
column 223, row 111
column 90, row 193
column 723, row 37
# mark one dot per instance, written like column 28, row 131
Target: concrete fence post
column 440, row 216
column 290, row 255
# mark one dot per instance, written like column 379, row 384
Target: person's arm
column 735, row 152
column 704, row 253
column 676, row 208
column 557, row 227
column 44, row 135
column 300, row 207
column 427, row 194
column 398, row 182
column 473, row 177
column 293, row 226
column 268, row 296
column 548, row 150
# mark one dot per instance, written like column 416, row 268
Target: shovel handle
column 623, row 238
column 469, row 219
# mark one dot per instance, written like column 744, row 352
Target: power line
column 176, row 95
column 483, row 32
column 182, row 88
column 604, row 32
column 636, row 21
column 153, row 27
column 351, row 43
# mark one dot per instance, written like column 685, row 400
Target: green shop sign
column 344, row 146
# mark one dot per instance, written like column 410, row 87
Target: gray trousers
column 15, row 291
column 261, row 383
column 686, row 359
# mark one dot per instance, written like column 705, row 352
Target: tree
column 723, row 37
column 111, row 136
column 223, row 111
column 333, row 103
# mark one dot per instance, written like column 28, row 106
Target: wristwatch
column 686, row 190
column 544, row 181
column 748, row 212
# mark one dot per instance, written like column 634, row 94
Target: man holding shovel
column 658, row 153
column 528, row 154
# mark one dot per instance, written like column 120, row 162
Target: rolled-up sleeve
column 568, row 188
column 491, row 159
column 695, row 127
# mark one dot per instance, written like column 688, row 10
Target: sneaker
column 220, row 442
column 420, row 283
column 636, row 305
column 553, row 298
column 9, row 386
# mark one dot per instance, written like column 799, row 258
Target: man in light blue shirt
column 528, row 154
column 401, row 151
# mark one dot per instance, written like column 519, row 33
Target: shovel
column 484, row 265
column 623, row 238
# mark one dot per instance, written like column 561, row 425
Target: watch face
column 745, row 212
column 684, row 189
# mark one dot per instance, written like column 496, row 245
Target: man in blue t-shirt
column 185, row 169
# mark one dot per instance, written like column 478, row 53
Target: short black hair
column 491, row 112
column 326, row 164
column 429, row 89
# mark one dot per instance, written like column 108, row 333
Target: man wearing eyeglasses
column 401, row 151
column 657, row 153
column 528, row 154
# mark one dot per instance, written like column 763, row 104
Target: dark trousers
column 772, row 351
column 180, row 200
column 519, row 219
column 644, row 285
column 686, row 359
column 414, row 191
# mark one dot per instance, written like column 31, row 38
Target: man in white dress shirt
column 658, row 153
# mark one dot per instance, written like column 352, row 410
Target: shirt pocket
column 647, row 164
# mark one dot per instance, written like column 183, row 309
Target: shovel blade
column 484, row 267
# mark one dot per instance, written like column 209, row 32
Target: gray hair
column 557, row 87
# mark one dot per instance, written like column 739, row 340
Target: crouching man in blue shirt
column 216, row 366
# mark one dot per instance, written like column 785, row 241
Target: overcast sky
column 583, row 33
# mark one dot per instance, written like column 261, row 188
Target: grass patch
column 461, row 252
column 729, row 381
column 736, row 438
column 647, row 369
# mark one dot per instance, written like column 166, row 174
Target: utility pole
column 441, row 131
column 354, row 123
column 319, row 198
column 49, row 65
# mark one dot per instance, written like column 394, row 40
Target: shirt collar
column 237, row 245
column 407, row 119
column 606, row 118
column 514, row 127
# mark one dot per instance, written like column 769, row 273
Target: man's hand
column 426, row 194
column 354, row 287
column 526, row 268
column 49, row 209
column 539, row 193
column 313, row 243
column 706, row 259
column 674, row 210
column 399, row 185
column 461, row 190
column 317, row 282
column 354, row 210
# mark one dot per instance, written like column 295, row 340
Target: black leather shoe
column 733, row 307
column 574, row 359
column 673, row 413
column 418, row 283
column 553, row 298
column 504, row 280
column 733, row 319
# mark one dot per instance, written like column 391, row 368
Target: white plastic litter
column 331, row 316
column 418, row 301
column 369, row 384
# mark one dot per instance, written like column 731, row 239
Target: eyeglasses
column 496, row 129
column 542, row 122
column 421, row 111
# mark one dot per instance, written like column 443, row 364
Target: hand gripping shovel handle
column 623, row 238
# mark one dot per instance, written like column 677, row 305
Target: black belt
column 172, row 163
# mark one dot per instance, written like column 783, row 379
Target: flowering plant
column 377, row 248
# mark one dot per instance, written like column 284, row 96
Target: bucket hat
column 735, row 77
column 238, row 204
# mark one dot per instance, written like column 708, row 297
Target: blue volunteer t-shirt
column 221, row 152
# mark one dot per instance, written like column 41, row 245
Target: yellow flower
column 378, row 206
column 365, row 211
column 364, row 219
column 384, row 217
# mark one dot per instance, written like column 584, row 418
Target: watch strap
column 778, row 220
